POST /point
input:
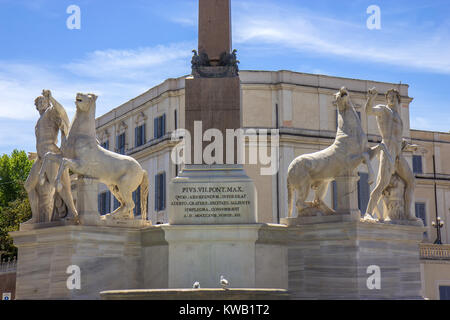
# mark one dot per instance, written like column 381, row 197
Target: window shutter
column 163, row 129
column 336, row 117
column 99, row 203
column 108, row 202
column 175, row 119
column 136, row 136
column 363, row 192
column 156, row 192
column 155, row 128
column 421, row 212
column 138, row 201
column 134, row 200
column 144, row 139
column 163, row 187
column 444, row 292
column 335, row 199
column 417, row 164
column 116, row 203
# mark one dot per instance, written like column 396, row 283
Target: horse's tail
column 144, row 194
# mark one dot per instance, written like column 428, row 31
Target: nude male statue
column 390, row 126
column 53, row 118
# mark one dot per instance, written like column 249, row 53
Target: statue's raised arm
column 370, row 108
column 65, row 123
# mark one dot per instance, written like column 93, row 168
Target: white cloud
column 295, row 29
column 133, row 64
column 116, row 76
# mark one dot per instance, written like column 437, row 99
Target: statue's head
column 341, row 99
column 85, row 102
column 41, row 104
column 393, row 97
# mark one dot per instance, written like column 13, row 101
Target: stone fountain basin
column 196, row 294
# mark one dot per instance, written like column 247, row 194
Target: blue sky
column 125, row 47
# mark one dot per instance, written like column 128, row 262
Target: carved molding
column 140, row 118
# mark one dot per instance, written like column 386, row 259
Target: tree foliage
column 14, row 205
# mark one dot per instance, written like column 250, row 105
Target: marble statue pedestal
column 248, row 256
column 215, row 194
column 155, row 257
column 331, row 260
column 108, row 258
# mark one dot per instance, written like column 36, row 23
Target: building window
column 335, row 196
column 121, row 143
column 363, row 192
column 137, row 201
column 421, row 212
column 336, row 118
column 417, row 164
column 444, row 292
column 175, row 115
column 105, row 145
column 116, row 203
column 160, row 126
column 139, row 135
column 104, row 202
column 160, row 192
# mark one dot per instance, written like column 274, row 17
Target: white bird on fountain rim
column 224, row 283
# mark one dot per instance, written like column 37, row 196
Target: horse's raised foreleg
column 377, row 149
column 74, row 165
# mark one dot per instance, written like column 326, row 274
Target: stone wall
column 8, row 284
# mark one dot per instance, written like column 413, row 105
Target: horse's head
column 85, row 102
column 342, row 99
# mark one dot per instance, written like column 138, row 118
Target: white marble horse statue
column 82, row 154
column 315, row 171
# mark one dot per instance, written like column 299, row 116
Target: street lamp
column 438, row 225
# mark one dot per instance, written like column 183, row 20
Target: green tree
column 14, row 205
column 14, row 171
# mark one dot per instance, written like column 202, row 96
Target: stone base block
column 319, row 219
column 248, row 256
column 217, row 194
column 108, row 258
column 336, row 261
column 157, row 257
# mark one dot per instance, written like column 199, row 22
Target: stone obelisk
column 213, row 95
column 217, row 192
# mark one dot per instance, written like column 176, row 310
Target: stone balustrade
column 8, row 266
column 434, row 252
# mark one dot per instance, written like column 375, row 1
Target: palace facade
column 299, row 105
